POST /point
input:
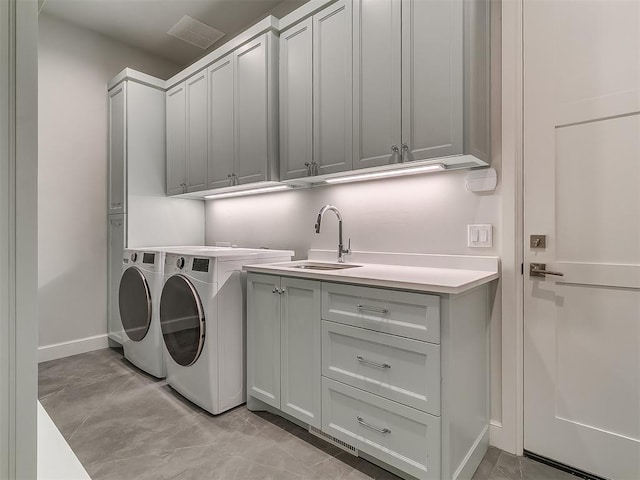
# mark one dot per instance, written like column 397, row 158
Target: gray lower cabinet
column 400, row 376
column 283, row 345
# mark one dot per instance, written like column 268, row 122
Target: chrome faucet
column 341, row 250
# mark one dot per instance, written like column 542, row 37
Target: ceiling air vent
column 193, row 31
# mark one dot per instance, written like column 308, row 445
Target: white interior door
column 582, row 190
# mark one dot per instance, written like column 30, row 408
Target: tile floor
column 124, row 425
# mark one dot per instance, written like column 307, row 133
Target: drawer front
column 411, row 315
column 397, row 368
column 403, row 437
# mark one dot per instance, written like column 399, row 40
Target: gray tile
column 486, row 467
column 126, row 425
column 508, row 466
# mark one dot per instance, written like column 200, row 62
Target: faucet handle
column 348, row 250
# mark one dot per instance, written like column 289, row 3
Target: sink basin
column 324, row 266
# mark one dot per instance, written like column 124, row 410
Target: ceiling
column 144, row 23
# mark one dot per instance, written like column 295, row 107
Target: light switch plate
column 480, row 236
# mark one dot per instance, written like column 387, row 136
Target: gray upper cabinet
column 221, row 123
column 196, row 115
column 296, row 101
column 255, row 110
column 176, row 140
column 408, row 71
column 377, row 82
column 316, row 94
column 432, row 75
column 117, row 149
column 332, row 92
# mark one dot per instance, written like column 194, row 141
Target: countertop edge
column 396, row 284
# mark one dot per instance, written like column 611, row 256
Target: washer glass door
column 135, row 303
column 182, row 320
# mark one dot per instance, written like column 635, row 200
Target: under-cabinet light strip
column 252, row 191
column 389, row 173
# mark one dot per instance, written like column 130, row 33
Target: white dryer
column 139, row 299
column 203, row 319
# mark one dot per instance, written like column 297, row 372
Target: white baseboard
column 73, row 347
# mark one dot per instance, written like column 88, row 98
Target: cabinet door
column 301, row 347
column 332, row 92
column 196, row 165
column 263, row 338
column 432, row 69
column 221, row 124
column 118, row 149
column 117, row 232
column 252, row 111
column 377, row 69
column 176, row 140
column 296, row 101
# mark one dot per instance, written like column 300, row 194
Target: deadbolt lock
column 538, row 241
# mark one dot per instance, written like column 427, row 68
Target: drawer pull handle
column 361, row 359
column 384, row 311
column 384, row 431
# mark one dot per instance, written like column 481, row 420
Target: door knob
column 539, row 270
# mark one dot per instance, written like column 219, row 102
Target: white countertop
column 421, row 278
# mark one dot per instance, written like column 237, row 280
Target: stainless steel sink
column 324, row 266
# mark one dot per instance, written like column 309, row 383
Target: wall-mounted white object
column 483, row 180
column 480, row 236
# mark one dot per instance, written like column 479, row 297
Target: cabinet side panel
column 117, row 232
column 465, row 370
column 118, row 149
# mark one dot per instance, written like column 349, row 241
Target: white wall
column 75, row 65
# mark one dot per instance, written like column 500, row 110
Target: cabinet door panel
column 117, row 233
column 296, row 101
column 251, row 112
column 197, row 132
column 377, row 83
column 221, row 134
column 301, row 346
column 263, row 338
column 118, row 149
column 432, row 69
column 176, row 140
column 332, row 95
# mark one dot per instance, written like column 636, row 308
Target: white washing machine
column 139, row 298
column 203, row 319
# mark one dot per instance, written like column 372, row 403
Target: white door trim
column 510, row 436
column 18, row 237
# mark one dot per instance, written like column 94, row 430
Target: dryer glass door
column 182, row 320
column 135, row 303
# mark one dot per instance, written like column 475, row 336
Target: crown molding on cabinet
column 310, row 8
column 134, row 75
